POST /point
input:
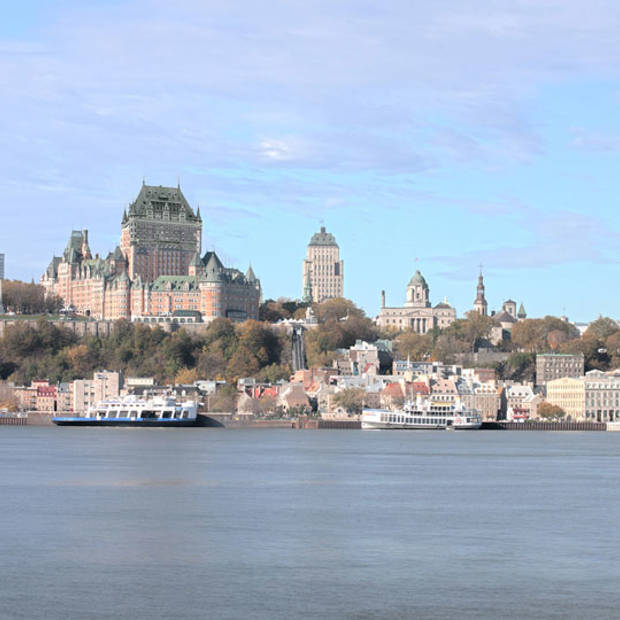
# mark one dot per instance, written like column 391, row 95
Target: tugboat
column 162, row 411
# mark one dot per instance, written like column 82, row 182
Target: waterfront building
column 595, row 397
column 551, row 366
column 568, row 393
column 518, row 401
column 417, row 313
column 322, row 269
column 156, row 270
column 486, row 399
column 88, row 392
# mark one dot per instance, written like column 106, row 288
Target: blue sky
column 451, row 132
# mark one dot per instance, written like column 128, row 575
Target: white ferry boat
column 161, row 411
column 426, row 414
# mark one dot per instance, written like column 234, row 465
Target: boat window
column 185, row 414
column 122, row 414
column 166, row 414
column 133, row 414
column 148, row 414
column 102, row 414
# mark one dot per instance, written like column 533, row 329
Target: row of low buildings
column 594, row 397
column 75, row 396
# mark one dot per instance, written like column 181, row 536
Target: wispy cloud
column 562, row 238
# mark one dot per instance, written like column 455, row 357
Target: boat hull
column 386, row 426
column 131, row 423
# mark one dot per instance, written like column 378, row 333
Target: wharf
column 544, row 426
column 13, row 421
column 306, row 423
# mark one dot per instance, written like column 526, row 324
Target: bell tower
column 480, row 304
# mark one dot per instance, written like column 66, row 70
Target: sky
column 438, row 136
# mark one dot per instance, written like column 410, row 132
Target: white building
column 322, row 270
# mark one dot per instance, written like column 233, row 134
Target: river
column 214, row 523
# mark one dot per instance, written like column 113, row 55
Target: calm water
column 212, row 523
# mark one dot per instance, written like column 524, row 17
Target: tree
column 410, row 344
column 224, row 400
column 267, row 404
column 186, row 376
column 547, row 410
column 602, row 328
column 518, row 367
column 7, row 398
column 337, row 308
column 350, row 399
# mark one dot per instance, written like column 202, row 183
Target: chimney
column 383, row 299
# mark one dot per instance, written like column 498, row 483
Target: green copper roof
column 323, row 238
column 175, row 283
column 417, row 279
column 156, row 200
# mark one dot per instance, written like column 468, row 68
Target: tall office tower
column 160, row 234
column 322, row 273
column 1, row 266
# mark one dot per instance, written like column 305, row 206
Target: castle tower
column 322, row 271
column 480, row 304
column 160, row 234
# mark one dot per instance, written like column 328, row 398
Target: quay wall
column 544, row 426
column 79, row 328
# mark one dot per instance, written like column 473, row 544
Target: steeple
column 522, row 314
column 480, row 304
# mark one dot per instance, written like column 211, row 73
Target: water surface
column 214, row 523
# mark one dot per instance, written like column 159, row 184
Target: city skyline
column 421, row 131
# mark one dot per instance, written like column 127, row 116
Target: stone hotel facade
column 156, row 270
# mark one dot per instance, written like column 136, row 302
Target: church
column 157, row 270
column 417, row 314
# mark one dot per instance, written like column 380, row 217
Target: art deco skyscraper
column 322, row 268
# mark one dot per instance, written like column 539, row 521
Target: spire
column 522, row 314
column 178, row 182
column 249, row 274
column 124, row 220
column 198, row 213
column 480, row 304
